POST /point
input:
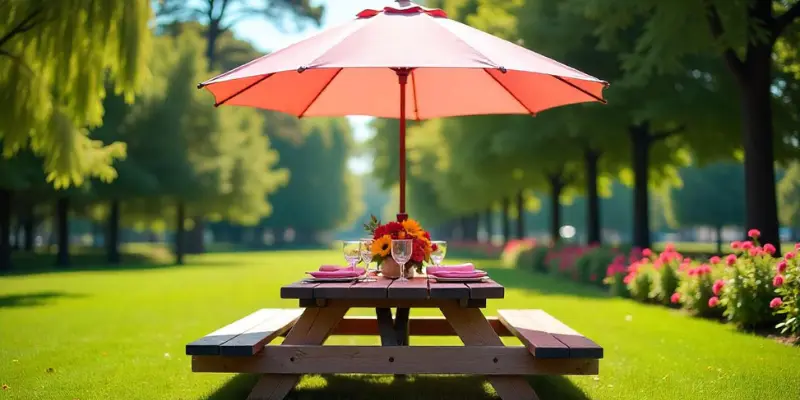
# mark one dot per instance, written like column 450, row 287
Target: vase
column 391, row 270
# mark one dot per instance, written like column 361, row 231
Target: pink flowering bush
column 748, row 286
column 515, row 250
column 698, row 284
column 787, row 288
column 593, row 265
column 654, row 276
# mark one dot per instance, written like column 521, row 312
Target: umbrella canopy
column 404, row 61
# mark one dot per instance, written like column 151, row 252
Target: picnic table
column 549, row 346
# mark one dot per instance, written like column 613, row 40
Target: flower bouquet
column 383, row 234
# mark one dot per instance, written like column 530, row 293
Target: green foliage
column 58, row 58
column 711, row 195
column 641, row 285
column 593, row 265
column 665, row 282
column 539, row 259
column 789, row 293
column 789, row 196
column 748, row 292
column 695, row 290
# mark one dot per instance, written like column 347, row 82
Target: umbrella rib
column 576, row 87
column 509, row 92
column 246, row 88
column 302, row 114
column 414, row 93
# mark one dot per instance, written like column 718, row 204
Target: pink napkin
column 460, row 274
column 335, row 268
column 445, row 268
column 341, row 273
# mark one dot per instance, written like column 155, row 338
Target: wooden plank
column 418, row 326
column 333, row 290
column 538, row 320
column 448, row 290
column 390, row 303
column 486, row 290
column 312, row 328
column 298, row 290
column 377, row 289
column 541, row 343
column 474, row 330
column 415, row 288
column 209, row 344
column 497, row 361
column 254, row 339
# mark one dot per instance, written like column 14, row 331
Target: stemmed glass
column 366, row 257
column 401, row 254
column 352, row 252
column 438, row 255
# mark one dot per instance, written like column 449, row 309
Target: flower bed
column 750, row 288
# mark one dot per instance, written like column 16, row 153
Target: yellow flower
column 412, row 227
column 382, row 246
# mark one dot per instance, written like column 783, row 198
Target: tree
column 744, row 36
column 56, row 55
column 710, row 195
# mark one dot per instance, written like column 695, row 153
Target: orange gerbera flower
column 381, row 246
column 412, row 227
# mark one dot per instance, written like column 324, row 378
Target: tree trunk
column 474, row 226
column 758, row 142
column 62, row 231
column 212, row 34
column 5, row 229
column 506, row 220
column 112, row 234
column 489, row 224
column 556, row 185
column 16, row 233
column 592, row 198
column 520, row 215
column 640, row 140
column 195, row 238
column 29, row 226
column 180, row 231
column 719, row 239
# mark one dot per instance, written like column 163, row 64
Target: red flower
column 775, row 303
column 797, row 246
column 747, row 245
column 669, row 247
column 718, row 285
column 705, row 269
column 769, row 249
column 434, row 247
column 628, row 278
column 781, row 267
column 731, row 259
column 715, row 260
column 736, row 245
column 418, row 255
column 754, row 233
column 789, row 255
column 713, row 302
column 777, row 280
column 647, row 252
column 754, row 252
column 675, row 298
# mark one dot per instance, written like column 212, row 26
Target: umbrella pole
column 402, row 75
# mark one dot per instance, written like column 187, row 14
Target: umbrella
column 408, row 62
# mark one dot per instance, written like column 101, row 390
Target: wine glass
column 366, row 256
column 352, row 252
column 438, row 255
column 401, row 254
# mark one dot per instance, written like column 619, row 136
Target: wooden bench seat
column 247, row 336
column 547, row 337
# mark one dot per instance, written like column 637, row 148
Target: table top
column 418, row 288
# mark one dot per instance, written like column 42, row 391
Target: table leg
column 474, row 330
column 401, row 326
column 385, row 326
column 312, row 328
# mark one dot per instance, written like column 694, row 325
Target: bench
column 247, row 336
column 549, row 348
column 546, row 337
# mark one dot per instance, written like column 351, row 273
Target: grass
column 120, row 334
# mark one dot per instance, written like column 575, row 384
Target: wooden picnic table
column 550, row 347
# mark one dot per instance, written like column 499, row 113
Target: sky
column 265, row 37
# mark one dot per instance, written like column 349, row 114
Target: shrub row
column 750, row 288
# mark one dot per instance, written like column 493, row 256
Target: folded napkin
column 335, row 268
column 340, row 273
column 445, row 268
column 460, row 274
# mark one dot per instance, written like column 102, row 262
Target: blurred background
column 110, row 152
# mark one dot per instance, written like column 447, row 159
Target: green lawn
column 121, row 334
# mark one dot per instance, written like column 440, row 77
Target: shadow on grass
column 542, row 283
column 33, row 299
column 370, row 387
